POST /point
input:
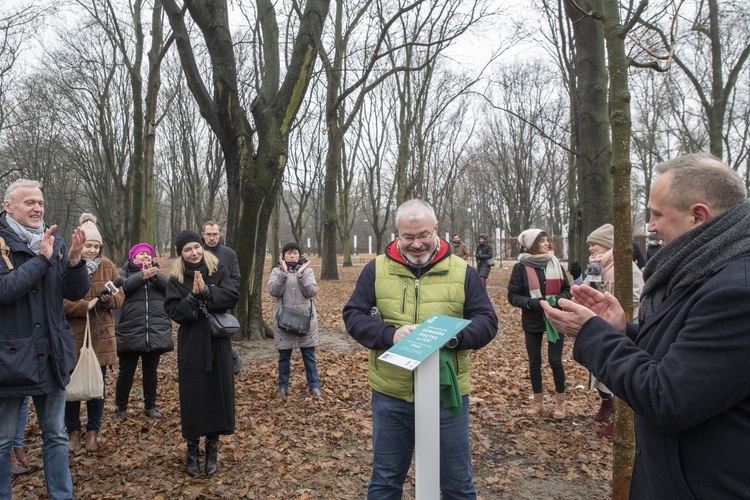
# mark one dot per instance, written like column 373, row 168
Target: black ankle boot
column 193, row 457
column 212, row 449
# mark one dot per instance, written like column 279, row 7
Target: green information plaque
column 423, row 341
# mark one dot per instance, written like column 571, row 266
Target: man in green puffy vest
column 416, row 278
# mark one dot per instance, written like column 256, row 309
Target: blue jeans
column 23, row 415
column 94, row 411
column 393, row 447
column 50, row 409
column 311, row 369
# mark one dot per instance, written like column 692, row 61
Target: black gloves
column 533, row 304
column 575, row 270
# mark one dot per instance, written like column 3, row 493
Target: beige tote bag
column 86, row 382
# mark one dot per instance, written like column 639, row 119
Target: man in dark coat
column 212, row 237
column 213, row 242
column 37, row 348
column 484, row 254
column 684, row 371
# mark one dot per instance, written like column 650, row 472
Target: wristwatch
column 452, row 343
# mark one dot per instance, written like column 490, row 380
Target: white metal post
column 427, row 428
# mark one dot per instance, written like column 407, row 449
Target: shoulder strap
column 5, row 250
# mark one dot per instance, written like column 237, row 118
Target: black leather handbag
column 222, row 325
column 294, row 321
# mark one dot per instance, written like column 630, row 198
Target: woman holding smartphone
column 144, row 331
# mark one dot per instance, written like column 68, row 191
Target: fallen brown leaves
column 303, row 447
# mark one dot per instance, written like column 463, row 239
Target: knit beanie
column 185, row 237
column 604, row 236
column 88, row 224
column 528, row 237
column 290, row 246
column 140, row 247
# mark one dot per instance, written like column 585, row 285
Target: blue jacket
column 686, row 375
column 37, row 348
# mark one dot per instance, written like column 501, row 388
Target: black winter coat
column 228, row 258
column 204, row 362
column 532, row 318
column 483, row 254
column 685, row 374
column 143, row 325
column 37, row 347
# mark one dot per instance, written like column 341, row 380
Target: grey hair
column 703, row 178
column 10, row 193
column 414, row 210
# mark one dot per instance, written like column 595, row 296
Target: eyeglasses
column 422, row 238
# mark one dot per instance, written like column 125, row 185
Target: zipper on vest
column 403, row 299
column 416, row 301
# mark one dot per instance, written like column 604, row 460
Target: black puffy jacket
column 143, row 325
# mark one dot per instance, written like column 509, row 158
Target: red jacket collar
column 392, row 252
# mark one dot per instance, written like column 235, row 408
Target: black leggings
column 554, row 353
column 128, row 364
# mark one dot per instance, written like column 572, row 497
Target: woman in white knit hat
column 539, row 276
column 601, row 275
column 98, row 307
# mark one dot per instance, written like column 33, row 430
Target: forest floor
column 304, row 447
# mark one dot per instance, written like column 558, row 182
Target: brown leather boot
column 74, row 441
column 559, row 412
column 538, row 405
column 91, row 444
column 605, row 410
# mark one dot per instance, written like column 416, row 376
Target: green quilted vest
column 404, row 300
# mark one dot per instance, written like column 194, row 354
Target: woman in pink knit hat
column 144, row 331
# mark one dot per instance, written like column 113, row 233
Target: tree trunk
column 593, row 152
column 254, row 180
column 623, row 449
column 148, row 201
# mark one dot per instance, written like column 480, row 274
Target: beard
column 421, row 261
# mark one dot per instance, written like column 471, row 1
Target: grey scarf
column 29, row 235
column 694, row 255
column 92, row 265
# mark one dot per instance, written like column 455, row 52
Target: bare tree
column 15, row 28
column 511, row 155
column 94, row 102
column 35, row 148
column 254, row 177
column 408, row 37
column 128, row 40
column 377, row 160
column 712, row 55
